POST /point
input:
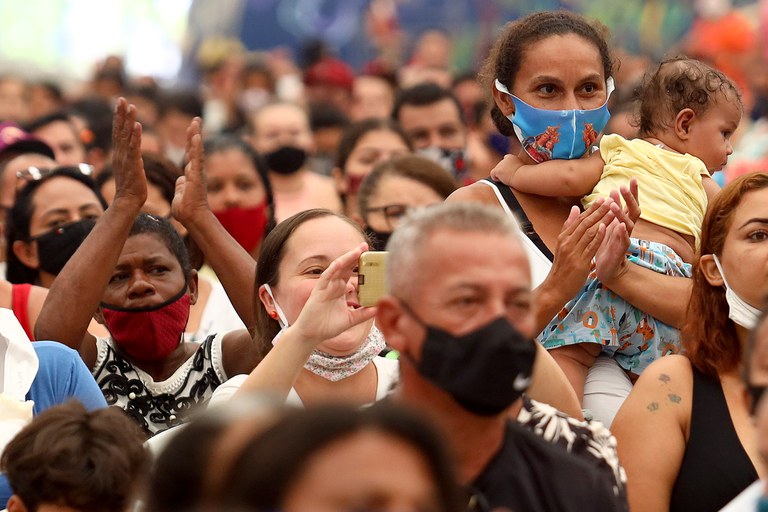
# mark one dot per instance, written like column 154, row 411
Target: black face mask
column 485, row 371
column 55, row 247
column 286, row 159
column 756, row 393
column 378, row 239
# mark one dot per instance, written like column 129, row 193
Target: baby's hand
column 506, row 169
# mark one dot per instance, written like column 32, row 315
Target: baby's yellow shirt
column 670, row 184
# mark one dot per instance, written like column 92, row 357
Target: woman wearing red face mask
column 133, row 272
column 239, row 191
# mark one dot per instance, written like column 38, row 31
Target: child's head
column 692, row 108
column 69, row 457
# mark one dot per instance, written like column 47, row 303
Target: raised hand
column 630, row 213
column 130, row 180
column 191, row 195
column 331, row 309
column 611, row 257
column 578, row 243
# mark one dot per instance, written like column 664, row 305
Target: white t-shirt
column 219, row 316
column 387, row 371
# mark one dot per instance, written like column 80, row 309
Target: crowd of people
column 573, row 310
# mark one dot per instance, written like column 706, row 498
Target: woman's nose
column 140, row 286
column 232, row 197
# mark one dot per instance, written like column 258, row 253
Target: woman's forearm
column 234, row 267
column 661, row 296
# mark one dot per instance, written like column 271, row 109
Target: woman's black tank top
column 715, row 466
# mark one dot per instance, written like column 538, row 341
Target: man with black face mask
column 460, row 314
column 282, row 135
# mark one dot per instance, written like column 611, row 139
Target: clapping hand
column 130, row 180
column 191, row 195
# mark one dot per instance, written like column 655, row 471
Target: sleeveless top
column 20, row 306
column 539, row 256
column 158, row 406
column 715, row 467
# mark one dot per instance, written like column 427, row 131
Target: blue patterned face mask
column 557, row 134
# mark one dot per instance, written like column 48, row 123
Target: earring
column 273, row 315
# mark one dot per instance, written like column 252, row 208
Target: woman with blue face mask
column 685, row 435
column 558, row 67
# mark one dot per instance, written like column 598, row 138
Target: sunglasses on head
column 38, row 173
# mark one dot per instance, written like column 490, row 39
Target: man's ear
column 710, row 270
column 192, row 287
column 26, row 252
column 503, row 101
column 389, row 320
column 683, row 122
column 15, row 504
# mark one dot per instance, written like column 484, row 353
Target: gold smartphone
column 371, row 277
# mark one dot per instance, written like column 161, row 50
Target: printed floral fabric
column 589, row 440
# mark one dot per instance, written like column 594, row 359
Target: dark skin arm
column 234, row 267
column 77, row 291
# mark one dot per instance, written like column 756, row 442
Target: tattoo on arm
column 653, row 406
column 664, row 378
column 674, row 398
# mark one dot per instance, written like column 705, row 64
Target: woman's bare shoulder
column 474, row 193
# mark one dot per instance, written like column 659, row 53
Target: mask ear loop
column 280, row 315
column 720, row 269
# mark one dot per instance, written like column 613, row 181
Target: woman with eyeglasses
column 363, row 145
column 394, row 186
column 132, row 273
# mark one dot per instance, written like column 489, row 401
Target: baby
column 688, row 112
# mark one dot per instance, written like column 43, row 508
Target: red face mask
column 354, row 182
column 149, row 333
column 246, row 225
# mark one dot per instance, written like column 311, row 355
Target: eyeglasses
column 38, row 173
column 393, row 213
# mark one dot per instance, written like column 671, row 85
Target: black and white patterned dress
column 590, row 440
column 158, row 406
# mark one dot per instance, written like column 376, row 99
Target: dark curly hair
column 507, row 53
column 678, row 83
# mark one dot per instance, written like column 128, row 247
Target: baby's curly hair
column 678, row 83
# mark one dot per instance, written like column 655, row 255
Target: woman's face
column 60, row 201
column 396, row 477
column 156, row 204
column 373, row 147
column 745, row 251
column 310, row 250
column 232, row 181
column 560, row 72
column 146, row 274
column 392, row 198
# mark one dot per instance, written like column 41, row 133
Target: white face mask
column 280, row 315
column 740, row 312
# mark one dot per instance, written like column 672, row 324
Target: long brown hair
column 709, row 336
